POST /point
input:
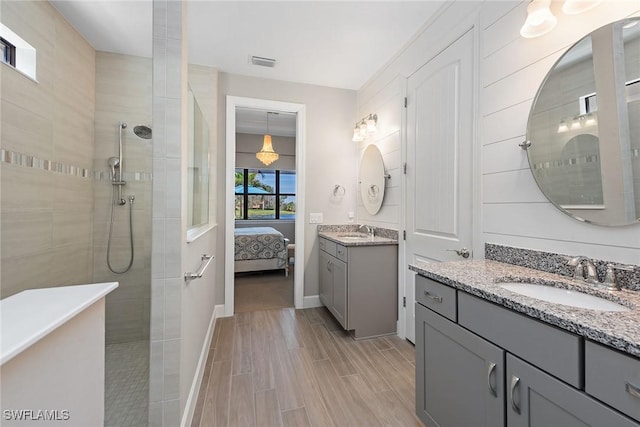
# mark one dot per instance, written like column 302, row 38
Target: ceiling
column 327, row 43
column 253, row 121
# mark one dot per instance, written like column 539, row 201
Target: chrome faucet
column 578, row 272
column 370, row 230
column 586, row 270
column 592, row 273
column 610, row 276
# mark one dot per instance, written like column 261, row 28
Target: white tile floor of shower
column 126, row 391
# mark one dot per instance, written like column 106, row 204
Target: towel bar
column 206, row 260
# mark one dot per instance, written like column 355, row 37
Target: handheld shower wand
column 115, row 163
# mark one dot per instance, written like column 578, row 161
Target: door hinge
column 404, row 301
column 405, row 102
column 404, row 168
column 404, row 234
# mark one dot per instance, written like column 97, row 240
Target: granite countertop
column 619, row 330
column 356, row 239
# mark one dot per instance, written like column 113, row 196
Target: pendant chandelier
column 267, row 155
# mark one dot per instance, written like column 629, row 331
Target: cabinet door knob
column 490, row 371
column 514, row 383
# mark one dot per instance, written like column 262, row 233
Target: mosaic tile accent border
column 556, row 263
column 635, row 152
column 25, row 160
column 127, row 176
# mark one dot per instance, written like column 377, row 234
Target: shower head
column 113, row 162
column 142, row 131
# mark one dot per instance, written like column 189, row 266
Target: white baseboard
column 311, row 301
column 187, row 416
column 218, row 311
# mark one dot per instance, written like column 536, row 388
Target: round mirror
column 372, row 179
column 584, row 128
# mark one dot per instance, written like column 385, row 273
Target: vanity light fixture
column 577, row 122
column 562, row 127
column 365, row 127
column 539, row 21
column 574, row 7
column 267, row 155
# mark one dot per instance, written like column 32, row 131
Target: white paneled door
column 439, row 162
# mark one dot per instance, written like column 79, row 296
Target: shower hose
column 131, row 198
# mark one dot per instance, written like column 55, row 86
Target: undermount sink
column 562, row 296
column 353, row 236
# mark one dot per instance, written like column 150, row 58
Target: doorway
column 235, row 104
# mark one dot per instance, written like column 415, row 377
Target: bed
column 259, row 249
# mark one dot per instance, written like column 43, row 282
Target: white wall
column 330, row 154
column 197, row 299
column 387, row 104
column 513, row 210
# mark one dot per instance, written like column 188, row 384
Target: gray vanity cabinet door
column 459, row 376
column 339, row 270
column 326, row 279
column 536, row 399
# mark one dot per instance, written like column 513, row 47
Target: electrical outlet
column 350, row 216
column 315, row 218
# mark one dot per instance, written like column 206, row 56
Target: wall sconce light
column 365, row 127
column 539, row 21
column 574, row 7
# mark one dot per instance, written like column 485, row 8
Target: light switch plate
column 315, row 218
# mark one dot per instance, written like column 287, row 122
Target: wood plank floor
column 291, row 367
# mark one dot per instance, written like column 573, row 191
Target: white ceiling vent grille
column 263, row 62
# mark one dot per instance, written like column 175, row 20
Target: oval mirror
column 584, row 128
column 372, row 179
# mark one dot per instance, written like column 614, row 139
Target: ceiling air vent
column 263, row 62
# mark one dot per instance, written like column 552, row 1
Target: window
column 8, row 52
column 265, row 194
column 17, row 53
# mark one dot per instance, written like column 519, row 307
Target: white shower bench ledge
column 52, row 343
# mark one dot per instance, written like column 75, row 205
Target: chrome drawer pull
column 514, row 383
column 492, row 368
column 436, row 298
column 633, row 390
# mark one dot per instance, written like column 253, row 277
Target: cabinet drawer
column 553, row 350
column 613, row 377
column 341, row 253
column 436, row 296
column 328, row 246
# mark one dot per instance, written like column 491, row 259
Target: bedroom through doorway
column 264, row 205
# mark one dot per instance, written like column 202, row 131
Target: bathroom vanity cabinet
column 480, row 364
column 359, row 286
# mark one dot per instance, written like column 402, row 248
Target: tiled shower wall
column 123, row 94
column 169, row 108
column 47, row 143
